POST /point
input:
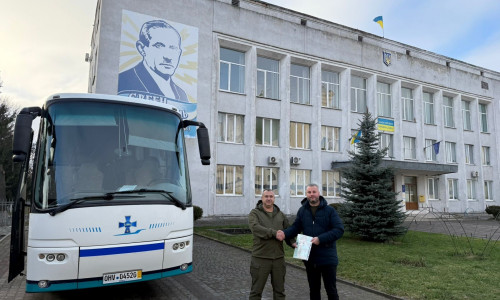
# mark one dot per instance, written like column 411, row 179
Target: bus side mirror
column 21, row 145
column 203, row 145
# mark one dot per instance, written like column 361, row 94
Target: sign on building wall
column 385, row 124
column 159, row 62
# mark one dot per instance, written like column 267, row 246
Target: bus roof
column 108, row 98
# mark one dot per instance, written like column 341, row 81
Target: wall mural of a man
column 159, row 62
column 160, row 46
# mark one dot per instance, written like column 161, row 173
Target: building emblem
column 128, row 225
column 387, row 58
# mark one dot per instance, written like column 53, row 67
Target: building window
column 407, row 104
column 451, row 152
column 386, row 142
column 330, row 140
column 299, row 179
column 409, row 147
column 268, row 78
column 428, row 108
column 430, row 152
column 230, row 128
column 330, row 96
column 232, row 71
column 299, row 135
column 469, row 154
column 229, row 180
column 484, row 117
column 453, row 189
column 300, row 80
column 384, row 99
column 266, row 179
column 466, row 114
column 267, row 132
column 331, row 183
column 488, row 190
column 485, row 156
column 358, row 94
column 448, row 112
column 471, row 189
column 432, row 188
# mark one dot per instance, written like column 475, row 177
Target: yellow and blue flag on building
column 355, row 138
column 380, row 21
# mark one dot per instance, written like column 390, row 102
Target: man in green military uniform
column 268, row 255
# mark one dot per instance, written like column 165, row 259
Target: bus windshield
column 88, row 149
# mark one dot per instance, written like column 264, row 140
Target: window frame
column 356, row 105
column 451, row 152
column 267, row 122
column 434, row 183
column 330, row 86
column 270, row 184
column 223, row 137
column 488, row 190
column 335, row 180
column 429, row 150
column 483, row 117
column 469, row 154
column 471, row 190
column 387, row 140
column 411, row 149
column 448, row 119
column 306, row 179
column 407, row 105
column 466, row 115
column 301, row 83
column 306, row 135
column 429, row 117
column 268, row 73
column 241, row 71
column 225, row 181
column 485, row 156
column 384, row 99
column 330, row 134
column 453, row 189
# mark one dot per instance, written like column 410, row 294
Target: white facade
column 242, row 44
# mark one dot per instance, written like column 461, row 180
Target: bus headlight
column 60, row 257
column 175, row 246
column 184, row 267
column 50, row 257
column 182, row 245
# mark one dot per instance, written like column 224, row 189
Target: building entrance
column 411, row 193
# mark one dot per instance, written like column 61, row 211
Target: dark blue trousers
column 329, row 274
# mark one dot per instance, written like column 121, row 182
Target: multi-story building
column 283, row 93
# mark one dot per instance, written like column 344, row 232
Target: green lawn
column 417, row 266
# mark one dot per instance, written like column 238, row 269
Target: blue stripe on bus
column 121, row 250
column 60, row 285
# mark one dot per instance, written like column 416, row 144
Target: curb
column 303, row 268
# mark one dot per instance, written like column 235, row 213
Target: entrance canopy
column 417, row 168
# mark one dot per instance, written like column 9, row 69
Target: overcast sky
column 43, row 43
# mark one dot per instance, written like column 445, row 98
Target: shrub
column 493, row 210
column 337, row 206
column 197, row 212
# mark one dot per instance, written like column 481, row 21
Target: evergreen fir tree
column 371, row 211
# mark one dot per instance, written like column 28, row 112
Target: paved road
column 220, row 272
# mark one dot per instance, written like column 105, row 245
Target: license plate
column 121, row 276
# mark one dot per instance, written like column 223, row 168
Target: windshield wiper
column 170, row 195
column 107, row 196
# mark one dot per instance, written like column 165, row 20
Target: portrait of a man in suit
column 159, row 44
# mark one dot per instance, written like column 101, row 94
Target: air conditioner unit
column 272, row 160
column 295, row 160
column 474, row 174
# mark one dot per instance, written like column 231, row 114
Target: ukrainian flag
column 380, row 21
column 355, row 138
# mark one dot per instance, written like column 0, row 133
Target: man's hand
column 280, row 235
column 315, row 240
column 294, row 245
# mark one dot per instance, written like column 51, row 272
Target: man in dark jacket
column 317, row 219
column 266, row 222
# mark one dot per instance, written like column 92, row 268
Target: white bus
column 110, row 199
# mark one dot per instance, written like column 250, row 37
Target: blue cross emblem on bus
column 127, row 224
